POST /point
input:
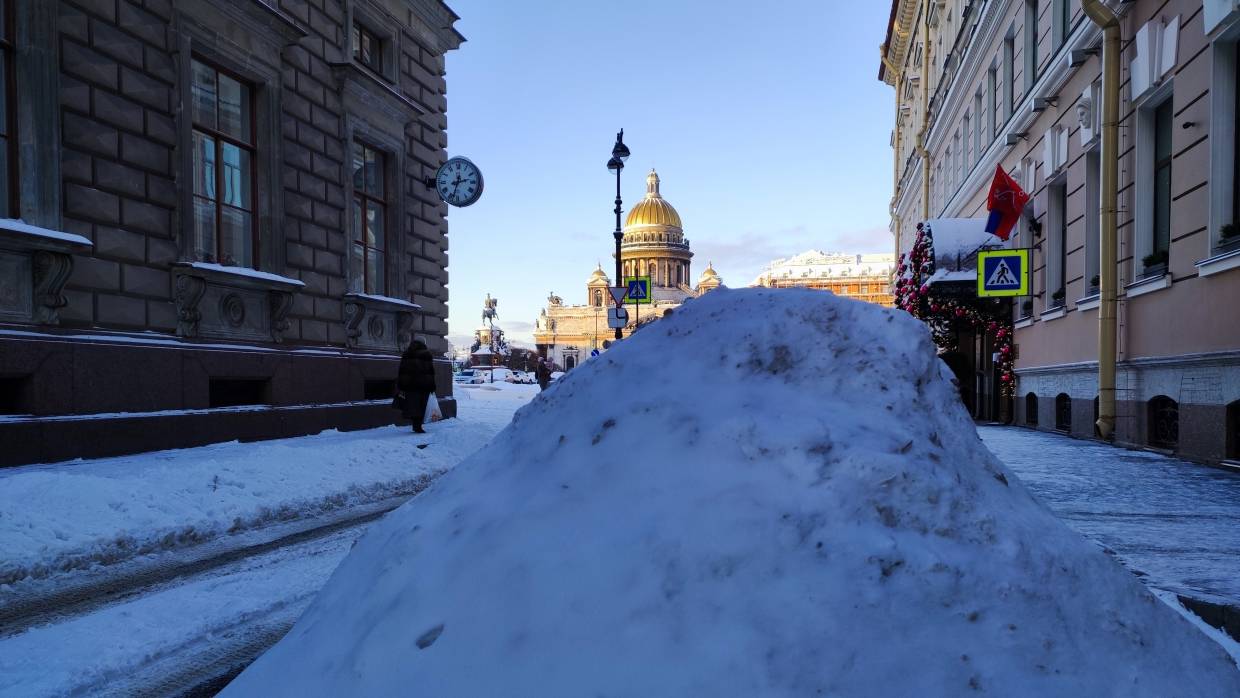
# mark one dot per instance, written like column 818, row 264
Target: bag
column 398, row 402
column 433, row 413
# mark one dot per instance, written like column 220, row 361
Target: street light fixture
column 619, row 153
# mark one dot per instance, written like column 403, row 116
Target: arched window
column 1063, row 412
column 1233, row 431
column 1163, row 422
column 570, row 362
column 1031, row 409
column 598, row 297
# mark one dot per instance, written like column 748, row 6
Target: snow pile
column 772, row 492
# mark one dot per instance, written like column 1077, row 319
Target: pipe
column 925, row 112
column 1108, row 243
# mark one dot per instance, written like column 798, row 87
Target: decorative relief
column 404, row 330
column 376, row 328
column 189, row 290
column 232, row 309
column 51, row 272
column 280, row 303
column 353, row 314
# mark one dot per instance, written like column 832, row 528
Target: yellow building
column 866, row 277
column 654, row 244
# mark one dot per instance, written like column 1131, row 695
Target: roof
column 654, row 209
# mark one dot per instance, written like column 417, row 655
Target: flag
column 1005, row 202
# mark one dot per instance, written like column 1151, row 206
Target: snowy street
column 1175, row 523
column 162, row 571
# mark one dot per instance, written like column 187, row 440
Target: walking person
column 416, row 381
column 543, row 374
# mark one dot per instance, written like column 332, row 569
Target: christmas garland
column 945, row 316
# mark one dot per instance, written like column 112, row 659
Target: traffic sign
column 1003, row 273
column 617, row 318
column 594, row 352
column 638, row 289
column 617, row 293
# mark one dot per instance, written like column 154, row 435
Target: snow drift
column 772, row 492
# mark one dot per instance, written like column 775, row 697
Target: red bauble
column 934, row 307
column 959, row 312
column 1007, row 378
column 1004, row 349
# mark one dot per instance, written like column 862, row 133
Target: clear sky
column 766, row 122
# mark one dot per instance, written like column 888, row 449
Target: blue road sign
column 638, row 289
column 1003, row 273
column 594, row 352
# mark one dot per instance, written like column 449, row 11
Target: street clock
column 458, row 182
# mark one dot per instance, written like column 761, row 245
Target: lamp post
column 619, row 153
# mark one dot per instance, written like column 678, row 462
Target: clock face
column 459, row 182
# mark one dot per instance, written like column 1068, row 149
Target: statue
column 488, row 309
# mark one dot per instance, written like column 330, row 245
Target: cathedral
column 654, row 244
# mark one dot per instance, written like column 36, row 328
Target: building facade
column 865, row 277
column 1018, row 84
column 654, row 245
column 214, row 220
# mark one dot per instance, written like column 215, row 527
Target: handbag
column 433, row 413
column 399, row 401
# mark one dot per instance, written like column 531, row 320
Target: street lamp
column 619, row 153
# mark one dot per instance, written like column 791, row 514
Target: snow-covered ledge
column 1219, row 263
column 388, row 321
column 1089, row 302
column 214, row 300
column 1053, row 313
column 35, row 264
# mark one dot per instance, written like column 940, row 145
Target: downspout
column 925, row 112
column 1108, row 245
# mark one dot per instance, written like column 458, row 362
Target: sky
column 766, row 122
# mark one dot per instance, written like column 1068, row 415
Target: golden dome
column 654, row 209
column 599, row 277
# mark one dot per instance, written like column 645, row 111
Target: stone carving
column 376, row 327
column 232, row 309
column 279, row 302
column 353, row 314
column 189, row 290
column 404, row 330
column 51, row 272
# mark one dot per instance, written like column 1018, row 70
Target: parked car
column 517, row 377
column 499, row 374
column 469, row 376
column 556, row 375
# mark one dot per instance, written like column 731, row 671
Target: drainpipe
column 925, row 112
column 1107, row 248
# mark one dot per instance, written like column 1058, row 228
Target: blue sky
column 766, row 122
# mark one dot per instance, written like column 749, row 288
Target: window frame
column 220, row 139
column 1055, row 262
column 1032, row 10
column 8, row 46
column 375, row 22
column 1144, row 232
column 366, row 198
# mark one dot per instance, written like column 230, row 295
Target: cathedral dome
column 599, row 277
column 710, row 279
column 654, row 209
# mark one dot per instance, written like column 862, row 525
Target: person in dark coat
column 416, row 380
column 543, row 374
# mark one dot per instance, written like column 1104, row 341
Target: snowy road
column 1174, row 522
column 165, row 572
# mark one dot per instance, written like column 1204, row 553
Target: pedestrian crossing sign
column 638, row 289
column 1003, row 273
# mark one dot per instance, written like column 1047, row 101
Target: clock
column 459, row 182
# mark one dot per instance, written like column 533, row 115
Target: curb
column 1225, row 617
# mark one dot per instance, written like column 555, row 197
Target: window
column 224, row 162
column 1031, row 409
column 1093, row 198
column 1031, row 43
column 992, row 85
column 1057, row 244
column 1235, row 174
column 367, row 48
column 1162, row 188
column 977, row 131
column 1163, row 422
column 366, row 266
column 8, row 101
column 967, row 144
column 1233, row 430
column 1063, row 412
column 1009, row 76
column 1063, row 22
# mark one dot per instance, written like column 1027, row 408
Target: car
column 499, row 374
column 518, row 377
column 556, row 375
column 469, row 376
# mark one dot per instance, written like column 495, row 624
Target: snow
column 1174, row 522
column 773, row 492
column 387, row 299
column 945, row 276
column 72, row 516
column 246, row 272
column 14, row 225
column 956, row 239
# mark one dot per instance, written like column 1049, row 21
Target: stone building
column 215, row 219
column 866, row 277
column 1018, row 84
column 654, row 244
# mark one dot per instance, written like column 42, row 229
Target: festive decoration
column 947, row 316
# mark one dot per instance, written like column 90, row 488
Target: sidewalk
column 1174, row 523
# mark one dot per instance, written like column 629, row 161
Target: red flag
column 1005, row 202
